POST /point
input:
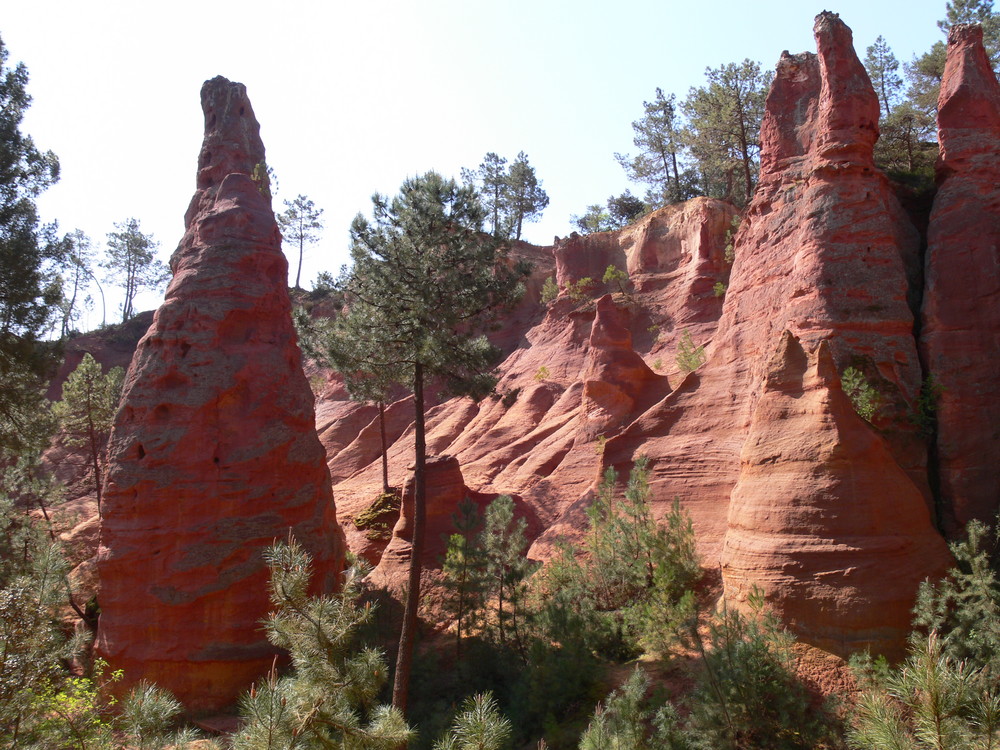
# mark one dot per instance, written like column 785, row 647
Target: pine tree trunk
column 385, row 448
column 404, row 660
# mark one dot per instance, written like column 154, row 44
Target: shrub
column 330, row 697
column 866, row 399
column 689, row 356
column 550, row 290
column 633, row 572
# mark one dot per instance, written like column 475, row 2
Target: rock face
column 214, row 453
column 823, row 521
column 961, row 318
column 578, row 372
column 824, row 255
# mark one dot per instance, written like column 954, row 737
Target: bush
column 866, row 400
column 330, row 697
column 689, row 356
column 632, row 574
column 550, row 290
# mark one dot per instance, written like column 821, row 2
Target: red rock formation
column 838, row 237
column 446, row 488
column 214, row 453
column 580, row 371
column 823, row 520
column 961, row 318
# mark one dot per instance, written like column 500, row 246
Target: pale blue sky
column 353, row 97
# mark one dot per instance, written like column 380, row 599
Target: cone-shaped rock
column 825, row 254
column 960, row 337
column 823, row 520
column 214, row 453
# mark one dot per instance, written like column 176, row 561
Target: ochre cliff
column 789, row 489
column 961, row 315
column 214, row 454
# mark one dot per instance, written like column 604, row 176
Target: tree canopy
column 131, row 263
column 29, row 289
column 425, row 285
column 300, row 225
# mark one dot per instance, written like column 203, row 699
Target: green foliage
column 723, row 129
column 479, row 726
column 29, row 288
column 550, row 290
column 925, row 414
column 932, row 701
column 505, row 568
column 595, row 219
column 76, row 272
column 614, row 275
column 866, row 399
column 581, row 290
column 329, row 699
column 378, row 519
column 747, row 694
column 628, row 720
column 263, row 177
column 542, row 373
column 131, row 263
column 87, row 410
column 526, row 200
column 689, row 356
column 599, row 443
column 964, row 608
column 729, row 255
column 300, row 225
column 464, row 573
column 619, row 212
column 658, row 138
column 625, row 208
column 510, row 196
column 632, row 573
column 719, row 289
column 883, row 70
column 425, row 286
column 424, row 282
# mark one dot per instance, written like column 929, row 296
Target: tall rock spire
column 214, row 453
column 960, row 337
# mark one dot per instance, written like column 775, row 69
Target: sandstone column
column 214, row 452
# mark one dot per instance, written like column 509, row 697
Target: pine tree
column 503, row 543
column 329, row 699
column 131, row 262
column 463, row 571
column 478, row 726
column 490, row 180
column 723, row 130
column 86, row 412
column 300, row 224
column 29, row 288
column 525, row 197
column 425, row 283
column 883, row 67
column 657, row 136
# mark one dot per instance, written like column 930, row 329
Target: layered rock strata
column 960, row 337
column 578, row 372
column 823, row 521
column 825, row 254
column 214, row 453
